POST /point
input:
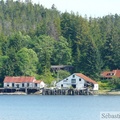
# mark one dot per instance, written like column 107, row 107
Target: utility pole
column 57, row 75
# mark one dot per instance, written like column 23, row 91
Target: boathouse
column 77, row 81
column 23, row 82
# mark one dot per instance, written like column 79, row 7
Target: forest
column 32, row 38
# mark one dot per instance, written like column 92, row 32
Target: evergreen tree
column 61, row 53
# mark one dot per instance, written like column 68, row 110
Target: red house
column 22, row 82
column 110, row 74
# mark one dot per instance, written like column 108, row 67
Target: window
column 7, row 85
column 73, row 76
column 12, row 84
column 27, row 84
column 85, row 85
column 73, row 80
column 22, row 84
column 110, row 74
column 79, row 79
column 17, row 85
column 74, row 86
column 35, row 84
column 65, row 80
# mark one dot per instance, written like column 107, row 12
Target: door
column 17, row 85
column 74, row 86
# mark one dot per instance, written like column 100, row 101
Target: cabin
column 110, row 74
column 77, row 81
column 55, row 68
column 22, row 82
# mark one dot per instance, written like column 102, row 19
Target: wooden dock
column 22, row 90
column 46, row 91
column 66, row 92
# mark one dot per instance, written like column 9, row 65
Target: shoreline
column 14, row 93
column 108, row 92
column 100, row 92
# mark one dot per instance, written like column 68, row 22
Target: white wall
column 5, row 84
column 67, row 82
column 79, row 82
column 9, row 85
column 96, row 87
column 39, row 85
column 42, row 84
column 58, row 85
column 31, row 85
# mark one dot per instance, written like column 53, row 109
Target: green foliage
column 91, row 61
column 110, row 84
column 104, row 86
column 27, row 61
column 62, row 74
column 4, row 69
column 62, row 52
column 43, row 46
column 115, row 83
column 47, row 77
column 32, row 38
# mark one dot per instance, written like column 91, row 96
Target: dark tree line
column 32, row 38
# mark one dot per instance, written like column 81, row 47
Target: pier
column 66, row 92
column 18, row 90
column 46, row 91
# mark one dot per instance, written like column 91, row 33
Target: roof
column 86, row 78
column 19, row 79
column 38, row 81
column 117, row 73
column 110, row 74
column 60, row 66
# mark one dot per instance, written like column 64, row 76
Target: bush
column 104, row 85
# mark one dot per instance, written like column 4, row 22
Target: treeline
column 32, row 38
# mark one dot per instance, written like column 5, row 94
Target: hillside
column 32, row 38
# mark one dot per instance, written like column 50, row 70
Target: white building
column 78, row 81
column 22, row 82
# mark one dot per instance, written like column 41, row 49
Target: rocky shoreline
column 107, row 92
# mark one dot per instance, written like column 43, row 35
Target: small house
column 77, row 81
column 22, row 82
column 55, row 68
column 110, row 74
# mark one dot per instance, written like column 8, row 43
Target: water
column 37, row 107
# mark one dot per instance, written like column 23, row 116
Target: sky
column 93, row 8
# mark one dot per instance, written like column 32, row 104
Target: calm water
column 36, row 107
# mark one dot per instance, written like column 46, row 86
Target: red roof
column 110, row 74
column 23, row 79
column 38, row 81
column 85, row 78
column 117, row 73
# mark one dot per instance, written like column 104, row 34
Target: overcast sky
column 94, row 8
